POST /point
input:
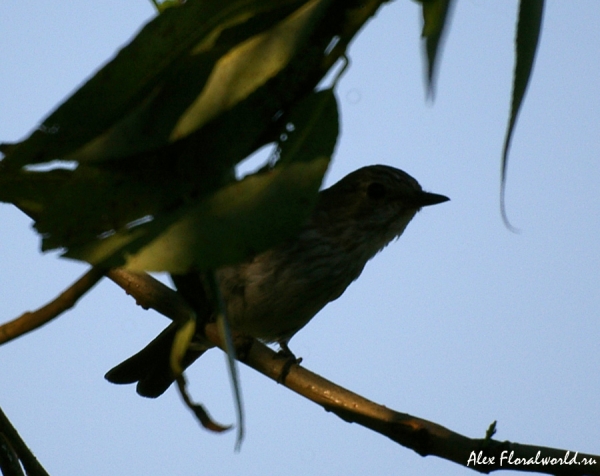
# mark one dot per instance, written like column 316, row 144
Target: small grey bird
column 276, row 293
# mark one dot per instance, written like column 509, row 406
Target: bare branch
column 422, row 436
column 66, row 300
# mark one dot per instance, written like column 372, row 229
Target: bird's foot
column 291, row 359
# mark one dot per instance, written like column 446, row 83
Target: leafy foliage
column 199, row 89
column 156, row 134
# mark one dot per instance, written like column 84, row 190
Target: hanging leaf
column 529, row 28
column 435, row 19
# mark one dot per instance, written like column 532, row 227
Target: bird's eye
column 376, row 191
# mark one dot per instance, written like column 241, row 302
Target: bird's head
column 371, row 206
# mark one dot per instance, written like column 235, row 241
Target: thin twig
column 31, row 320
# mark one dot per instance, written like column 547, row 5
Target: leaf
column 91, row 201
column 181, row 343
column 234, row 375
column 247, row 58
column 162, row 6
column 101, row 197
column 247, row 66
column 31, row 191
column 528, row 34
column 136, row 102
column 435, row 18
column 113, row 207
column 239, row 219
column 198, row 410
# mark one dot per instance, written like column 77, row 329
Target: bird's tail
column 150, row 367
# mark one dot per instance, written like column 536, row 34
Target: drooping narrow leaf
column 181, row 343
column 234, row 375
column 529, row 28
column 435, row 19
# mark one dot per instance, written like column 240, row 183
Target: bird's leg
column 291, row 359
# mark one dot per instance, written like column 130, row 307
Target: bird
column 274, row 294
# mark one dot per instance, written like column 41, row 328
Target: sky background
column 460, row 322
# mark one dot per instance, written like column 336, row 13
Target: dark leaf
column 151, row 94
column 435, row 19
column 198, row 410
column 106, row 196
column 239, row 219
column 529, row 28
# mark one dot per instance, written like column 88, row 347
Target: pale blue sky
column 460, row 322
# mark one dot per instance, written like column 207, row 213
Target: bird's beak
column 424, row 199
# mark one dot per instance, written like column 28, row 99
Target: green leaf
column 162, row 6
column 181, row 343
column 137, row 182
column 153, row 92
column 239, row 219
column 234, row 375
column 529, row 28
column 103, row 197
column 31, row 191
column 92, row 201
column 435, row 18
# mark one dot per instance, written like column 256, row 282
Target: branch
column 66, row 300
column 422, row 436
column 15, row 450
column 148, row 292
